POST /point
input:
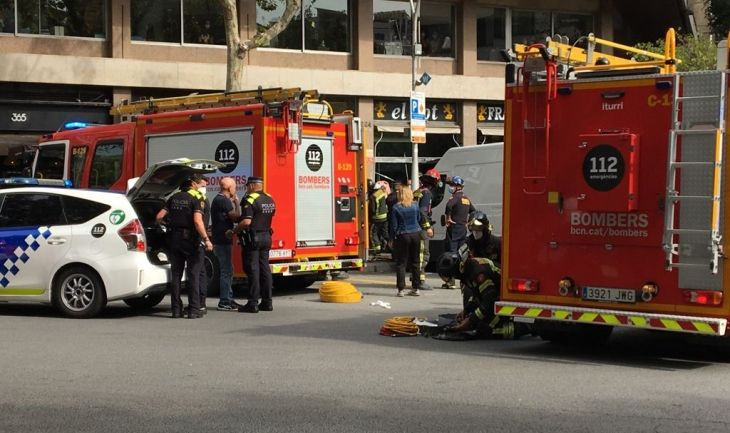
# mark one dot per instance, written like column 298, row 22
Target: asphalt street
column 309, row 366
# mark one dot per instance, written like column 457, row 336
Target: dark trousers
column 258, row 272
column 455, row 237
column 202, row 278
column 407, row 250
column 379, row 235
column 184, row 257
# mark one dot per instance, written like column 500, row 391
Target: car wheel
column 212, row 274
column 146, row 302
column 78, row 292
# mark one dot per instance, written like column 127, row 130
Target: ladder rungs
column 691, row 163
column 690, row 265
column 694, row 197
column 696, row 131
column 689, row 231
column 689, row 98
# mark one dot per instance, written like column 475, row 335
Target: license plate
column 278, row 254
column 606, row 294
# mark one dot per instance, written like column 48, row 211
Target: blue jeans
column 224, row 254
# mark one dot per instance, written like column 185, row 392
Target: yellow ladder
column 153, row 105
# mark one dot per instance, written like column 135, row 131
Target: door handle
column 56, row 241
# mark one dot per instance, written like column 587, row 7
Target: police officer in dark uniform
column 458, row 209
column 185, row 232
column 481, row 241
column 254, row 231
column 197, row 190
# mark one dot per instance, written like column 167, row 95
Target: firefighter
column 481, row 241
column 379, row 226
column 186, row 230
column 458, row 209
column 480, row 279
column 424, row 197
column 254, row 230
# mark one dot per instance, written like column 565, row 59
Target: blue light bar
column 75, row 125
column 10, row 182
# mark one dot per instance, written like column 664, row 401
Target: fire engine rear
column 311, row 161
column 615, row 194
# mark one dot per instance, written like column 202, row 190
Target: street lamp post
column 415, row 16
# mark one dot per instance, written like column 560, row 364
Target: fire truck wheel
column 146, row 302
column 212, row 274
column 572, row 333
column 294, row 282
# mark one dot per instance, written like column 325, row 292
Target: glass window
column 327, row 25
column 529, row 27
column 392, row 27
column 78, row 157
column 25, row 210
column 7, row 16
column 268, row 13
column 491, row 33
column 106, row 167
column 63, row 18
column 573, row 25
column 203, row 22
column 50, row 161
column 437, row 29
column 78, row 210
column 155, row 20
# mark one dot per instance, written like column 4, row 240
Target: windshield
column 50, row 162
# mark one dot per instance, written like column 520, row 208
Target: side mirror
column 443, row 220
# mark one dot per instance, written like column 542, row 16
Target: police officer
column 198, row 190
column 186, row 230
column 254, row 230
column 424, row 197
column 379, row 214
column 458, row 209
column 481, row 241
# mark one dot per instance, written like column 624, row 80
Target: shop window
column 106, row 167
column 203, row 22
column 491, row 33
column 156, row 20
column 7, row 16
column 47, row 17
column 326, row 25
column 529, row 27
column 573, row 25
column 392, row 32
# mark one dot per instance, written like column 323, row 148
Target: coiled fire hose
column 400, row 326
column 339, row 292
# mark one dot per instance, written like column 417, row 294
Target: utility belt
column 252, row 238
column 184, row 233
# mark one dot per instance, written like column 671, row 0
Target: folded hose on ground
column 399, row 326
column 340, row 292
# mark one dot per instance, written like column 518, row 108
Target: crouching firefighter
column 480, row 279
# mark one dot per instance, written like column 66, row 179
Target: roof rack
column 208, row 100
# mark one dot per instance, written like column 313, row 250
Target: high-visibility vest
column 381, row 209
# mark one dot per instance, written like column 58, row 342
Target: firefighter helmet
column 448, row 265
column 431, row 177
column 479, row 222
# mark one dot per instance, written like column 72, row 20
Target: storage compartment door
column 314, row 193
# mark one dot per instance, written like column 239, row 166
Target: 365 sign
column 18, row 117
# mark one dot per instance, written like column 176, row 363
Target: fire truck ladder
column 694, row 171
column 127, row 109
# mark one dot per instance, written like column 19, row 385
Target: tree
column 718, row 14
column 696, row 53
column 238, row 49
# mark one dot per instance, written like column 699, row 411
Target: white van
column 481, row 168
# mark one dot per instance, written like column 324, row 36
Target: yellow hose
column 399, row 326
column 339, row 292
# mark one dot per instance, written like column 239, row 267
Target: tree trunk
column 238, row 49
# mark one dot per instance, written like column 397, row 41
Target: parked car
column 79, row 249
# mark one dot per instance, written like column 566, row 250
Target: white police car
column 78, row 249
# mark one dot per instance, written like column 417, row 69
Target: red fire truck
column 312, row 163
column 615, row 194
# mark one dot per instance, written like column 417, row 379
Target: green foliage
column 696, row 53
column 718, row 14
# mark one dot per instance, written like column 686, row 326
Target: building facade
column 71, row 60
